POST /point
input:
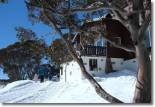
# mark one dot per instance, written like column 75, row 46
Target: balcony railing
column 94, row 51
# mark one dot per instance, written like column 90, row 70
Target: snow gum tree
column 135, row 15
column 20, row 59
column 57, row 50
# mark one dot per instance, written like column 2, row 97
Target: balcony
column 94, row 51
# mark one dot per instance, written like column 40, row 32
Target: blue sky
column 14, row 14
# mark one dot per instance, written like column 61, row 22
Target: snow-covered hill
column 119, row 84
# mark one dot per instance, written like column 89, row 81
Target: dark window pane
column 93, row 64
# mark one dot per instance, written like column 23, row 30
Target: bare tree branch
column 120, row 17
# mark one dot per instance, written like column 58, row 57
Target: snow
column 14, row 85
column 71, row 72
column 75, row 89
column 3, row 76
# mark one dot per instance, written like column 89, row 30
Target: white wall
column 72, row 72
column 100, row 65
column 117, row 64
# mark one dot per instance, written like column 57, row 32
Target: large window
column 93, row 64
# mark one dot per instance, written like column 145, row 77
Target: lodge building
column 99, row 55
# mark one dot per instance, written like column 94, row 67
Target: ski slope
column 119, row 84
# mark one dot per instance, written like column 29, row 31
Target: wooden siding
column 114, row 52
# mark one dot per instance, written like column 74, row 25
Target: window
column 93, row 64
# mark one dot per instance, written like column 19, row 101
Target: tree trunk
column 143, row 85
column 108, row 67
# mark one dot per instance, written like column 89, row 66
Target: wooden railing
column 94, row 51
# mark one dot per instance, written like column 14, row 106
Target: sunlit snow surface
column 75, row 90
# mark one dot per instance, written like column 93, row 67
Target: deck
column 94, row 51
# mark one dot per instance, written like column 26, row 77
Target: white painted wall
column 117, row 64
column 71, row 71
column 100, row 65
